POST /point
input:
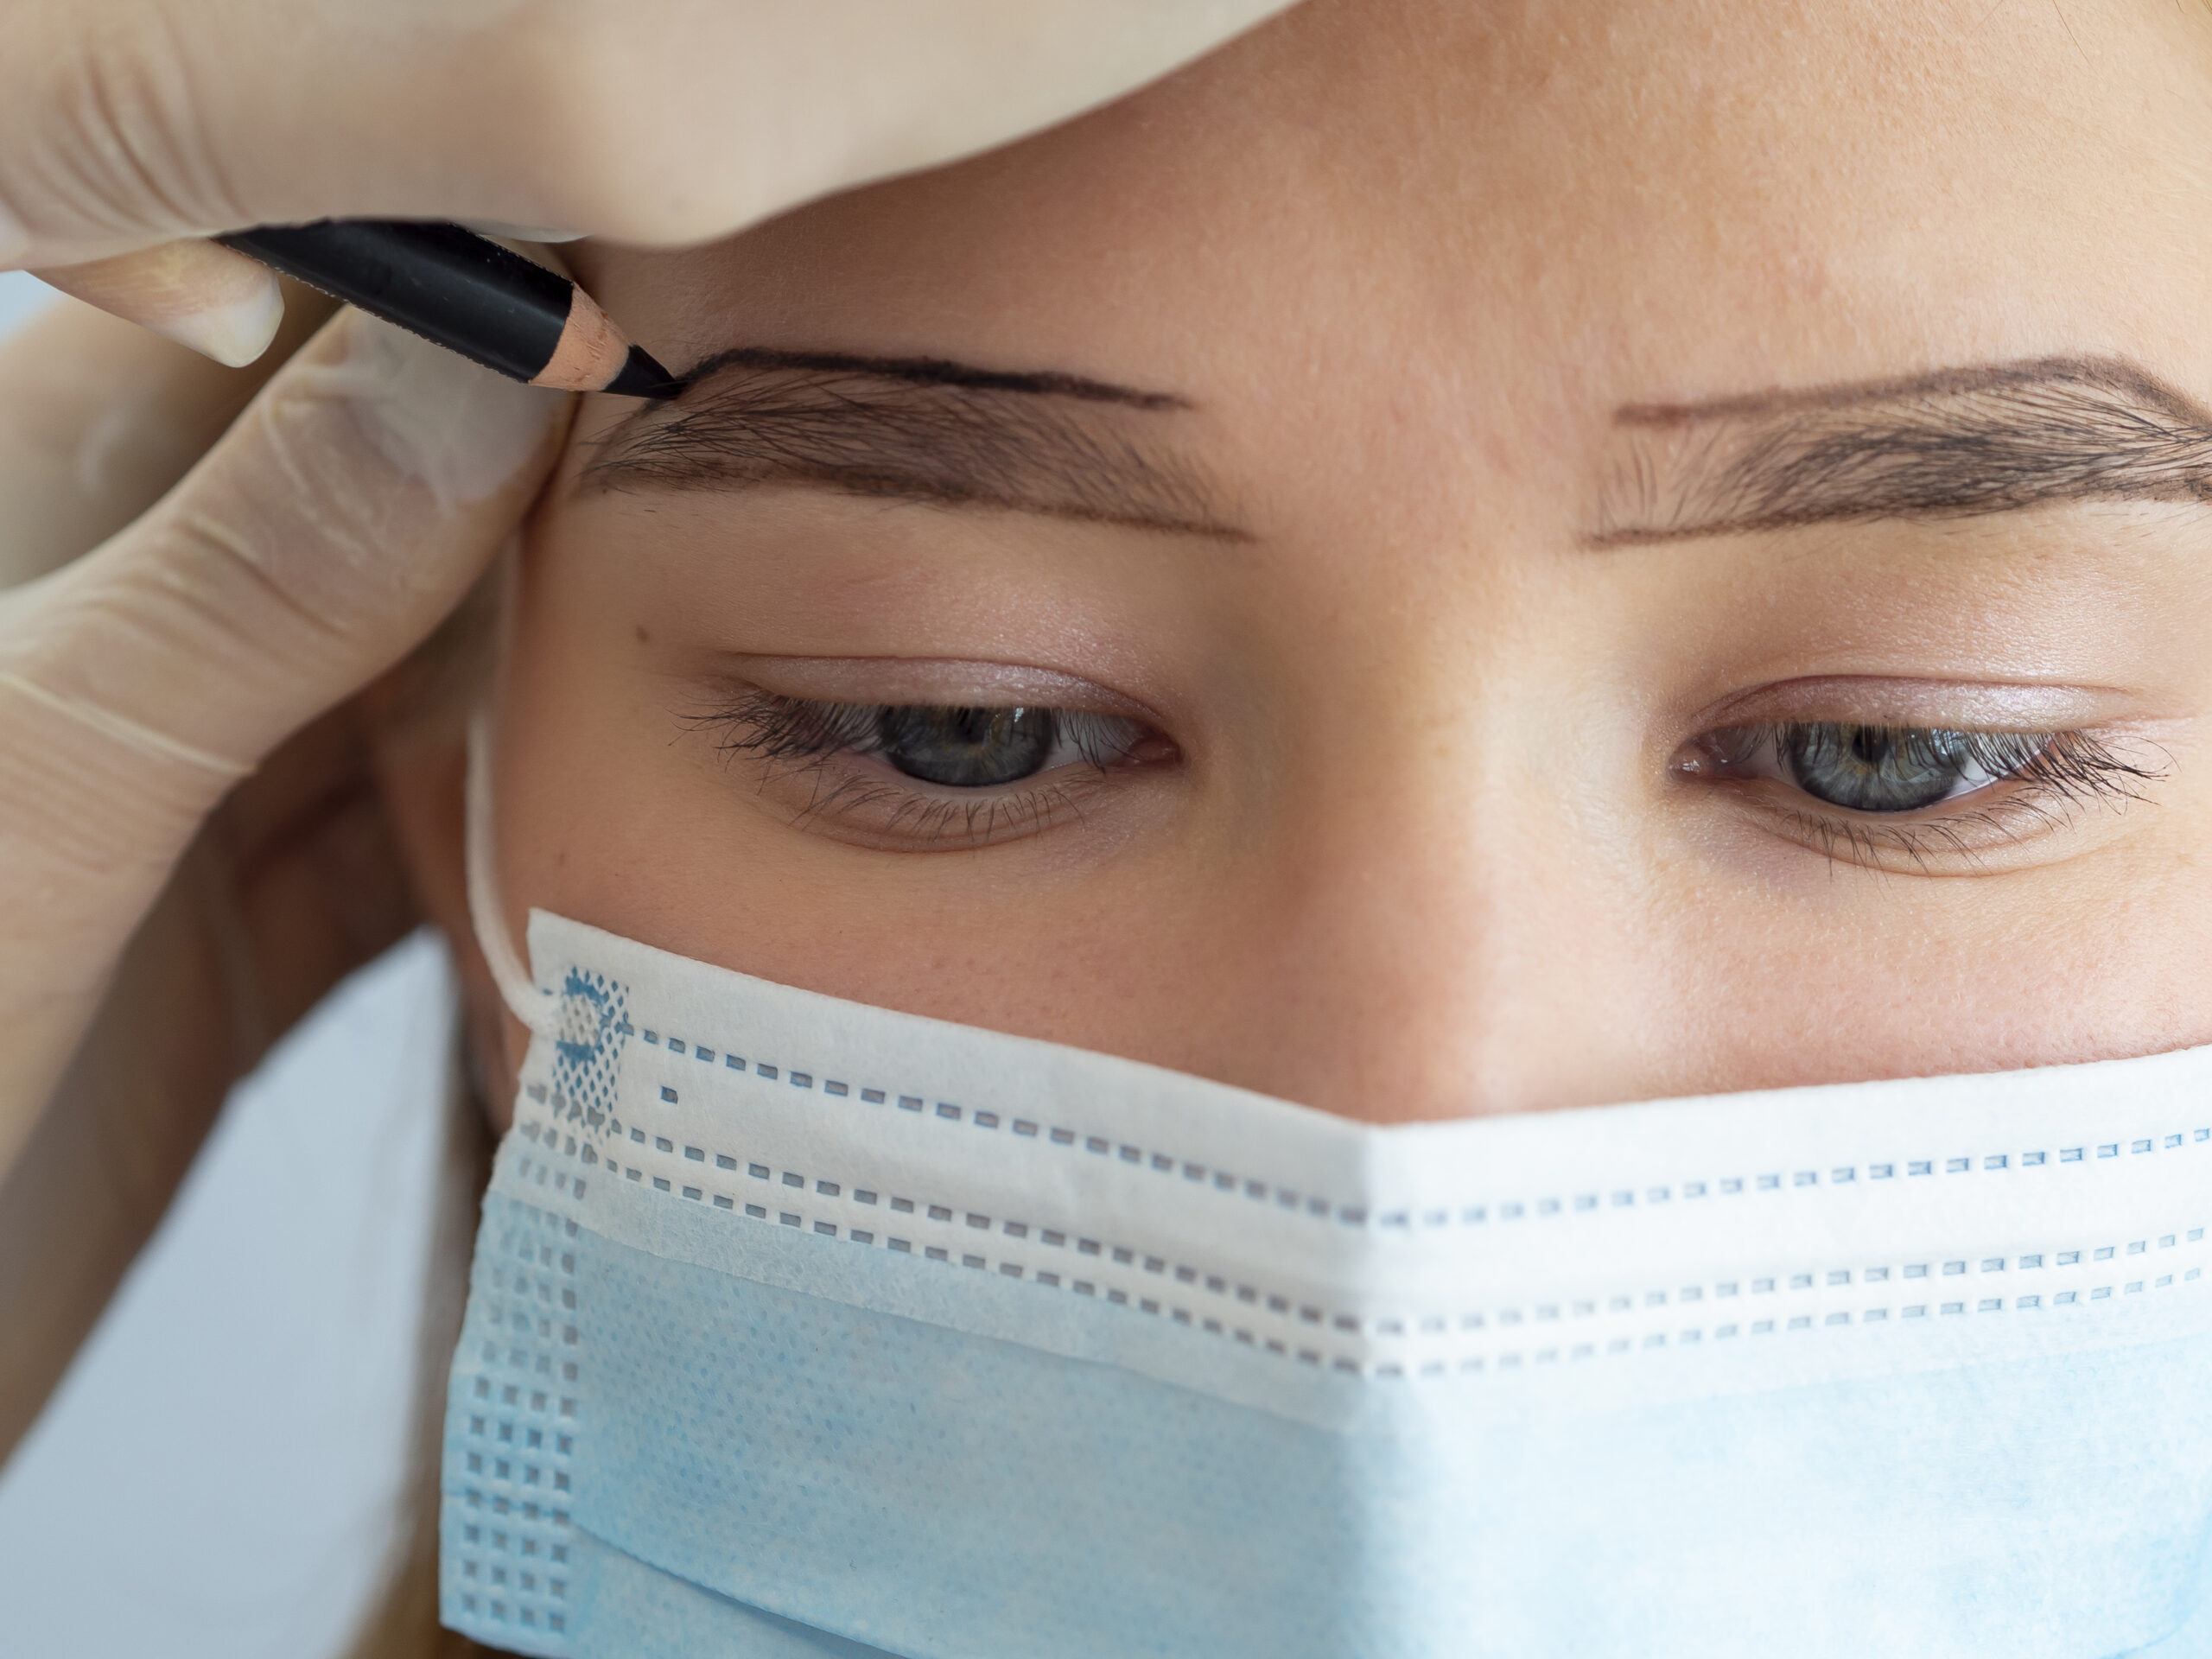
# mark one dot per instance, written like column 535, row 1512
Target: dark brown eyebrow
column 916, row 428
column 1959, row 443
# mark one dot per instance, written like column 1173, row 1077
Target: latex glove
column 99, row 419
column 129, row 122
column 178, row 882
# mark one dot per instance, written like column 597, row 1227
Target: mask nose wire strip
column 524, row 998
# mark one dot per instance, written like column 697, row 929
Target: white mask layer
column 797, row 1324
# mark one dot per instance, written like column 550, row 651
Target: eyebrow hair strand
column 921, row 429
column 931, row 370
column 1960, row 442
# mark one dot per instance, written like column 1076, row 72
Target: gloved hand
column 169, row 864
column 125, row 123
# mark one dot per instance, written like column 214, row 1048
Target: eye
column 1884, row 768
column 952, row 746
column 1890, row 769
column 932, row 776
column 967, row 748
column 1867, row 791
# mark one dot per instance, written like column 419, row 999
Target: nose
column 1437, row 939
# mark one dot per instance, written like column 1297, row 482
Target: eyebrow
column 1958, row 443
column 916, row 429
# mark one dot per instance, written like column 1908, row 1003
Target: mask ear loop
column 529, row 1002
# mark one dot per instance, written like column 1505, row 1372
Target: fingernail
column 462, row 430
column 218, row 302
column 523, row 233
column 234, row 334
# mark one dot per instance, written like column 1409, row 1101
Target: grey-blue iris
column 966, row 748
column 1875, row 768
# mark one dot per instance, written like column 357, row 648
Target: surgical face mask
column 798, row 1326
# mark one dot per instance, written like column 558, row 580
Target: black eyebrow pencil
column 467, row 293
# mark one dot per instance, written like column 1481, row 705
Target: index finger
column 674, row 122
column 99, row 418
column 198, row 294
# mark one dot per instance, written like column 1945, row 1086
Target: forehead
column 1408, row 224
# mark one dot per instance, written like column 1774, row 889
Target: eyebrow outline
column 923, row 429
column 1955, row 444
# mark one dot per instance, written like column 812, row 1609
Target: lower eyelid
column 899, row 814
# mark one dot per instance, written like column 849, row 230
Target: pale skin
column 1422, row 831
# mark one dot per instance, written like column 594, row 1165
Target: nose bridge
column 1435, row 948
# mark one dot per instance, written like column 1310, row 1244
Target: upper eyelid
column 1929, row 704
column 764, row 711
column 867, row 744
column 894, row 682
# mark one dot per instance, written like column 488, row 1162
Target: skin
column 1421, row 847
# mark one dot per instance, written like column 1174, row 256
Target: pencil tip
column 641, row 377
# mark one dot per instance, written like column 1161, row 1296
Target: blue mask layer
column 800, row 1327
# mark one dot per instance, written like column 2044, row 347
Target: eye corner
column 1713, row 755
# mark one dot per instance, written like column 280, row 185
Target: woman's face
column 1495, row 557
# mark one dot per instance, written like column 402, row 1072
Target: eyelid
column 1870, row 700
column 942, row 682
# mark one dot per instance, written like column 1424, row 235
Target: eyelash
column 794, row 734
column 2048, row 774
column 2024, row 781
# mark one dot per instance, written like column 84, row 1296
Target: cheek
column 1846, row 973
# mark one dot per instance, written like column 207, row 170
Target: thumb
column 343, row 516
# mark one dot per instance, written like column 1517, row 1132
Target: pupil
column 1875, row 768
column 966, row 748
